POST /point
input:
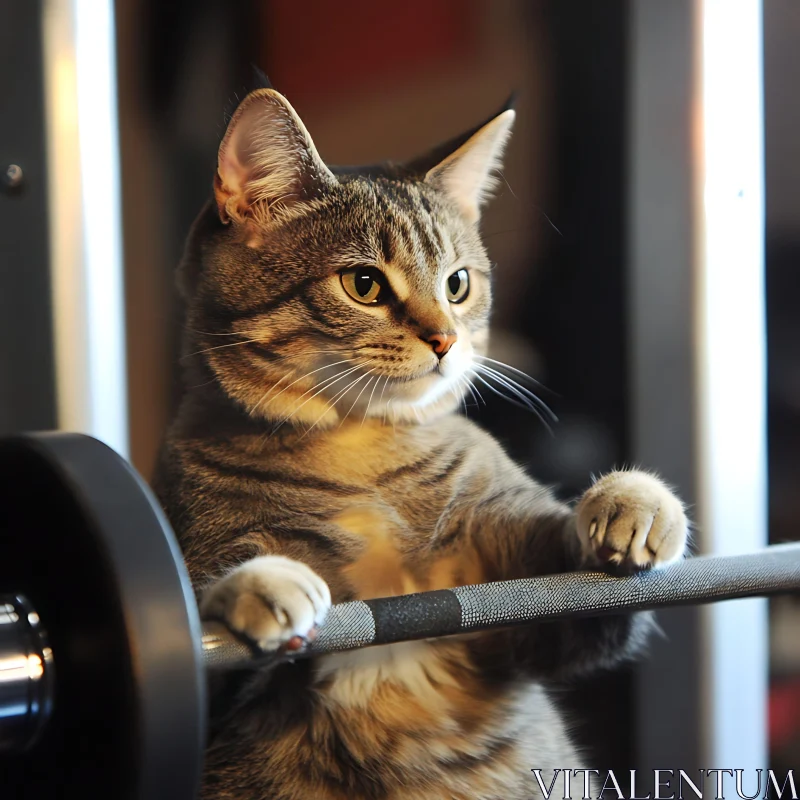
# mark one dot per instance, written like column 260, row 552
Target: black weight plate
column 83, row 538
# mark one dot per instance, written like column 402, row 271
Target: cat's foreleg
column 625, row 522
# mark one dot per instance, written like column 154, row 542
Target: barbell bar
column 103, row 656
column 466, row 609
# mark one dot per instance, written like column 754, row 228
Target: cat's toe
column 631, row 521
column 271, row 600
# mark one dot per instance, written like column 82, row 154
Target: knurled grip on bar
column 445, row 612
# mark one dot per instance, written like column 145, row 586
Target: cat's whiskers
column 468, row 388
column 355, row 402
column 459, row 390
column 518, row 389
column 244, row 332
column 201, row 385
column 523, row 396
column 380, row 399
column 369, row 402
column 251, row 341
column 332, row 402
column 326, row 383
column 272, row 389
column 513, row 369
column 391, row 418
column 218, row 333
column 222, row 346
column 528, row 405
column 523, row 403
column 473, row 390
column 321, row 387
column 289, row 386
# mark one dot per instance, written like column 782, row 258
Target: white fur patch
column 411, row 665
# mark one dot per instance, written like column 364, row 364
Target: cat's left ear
column 467, row 175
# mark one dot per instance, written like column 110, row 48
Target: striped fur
column 378, row 487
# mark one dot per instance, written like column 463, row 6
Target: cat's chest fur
column 413, row 486
column 409, row 480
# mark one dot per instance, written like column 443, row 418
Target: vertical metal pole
column 731, row 371
column 27, row 391
column 85, row 218
column 697, row 356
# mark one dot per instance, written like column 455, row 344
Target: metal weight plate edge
column 159, row 608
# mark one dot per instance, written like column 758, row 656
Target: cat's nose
column 441, row 342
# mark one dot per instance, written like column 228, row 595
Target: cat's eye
column 364, row 284
column 457, row 286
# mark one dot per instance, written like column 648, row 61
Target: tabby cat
column 335, row 318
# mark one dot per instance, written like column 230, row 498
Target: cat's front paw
column 631, row 521
column 271, row 600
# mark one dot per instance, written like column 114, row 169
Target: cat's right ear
column 267, row 161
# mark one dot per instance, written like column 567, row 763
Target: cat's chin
column 422, row 399
column 422, row 414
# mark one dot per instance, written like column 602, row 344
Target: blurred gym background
column 647, row 233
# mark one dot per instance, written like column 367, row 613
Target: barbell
column 103, row 656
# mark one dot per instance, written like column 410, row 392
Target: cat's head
column 315, row 292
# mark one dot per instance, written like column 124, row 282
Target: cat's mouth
column 364, row 389
column 418, row 375
column 426, row 386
